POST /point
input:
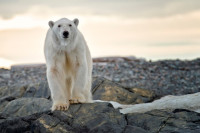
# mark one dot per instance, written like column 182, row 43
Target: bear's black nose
column 65, row 34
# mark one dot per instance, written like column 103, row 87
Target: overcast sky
column 152, row 29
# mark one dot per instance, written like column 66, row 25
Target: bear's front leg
column 57, row 86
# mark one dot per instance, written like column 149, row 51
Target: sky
column 150, row 29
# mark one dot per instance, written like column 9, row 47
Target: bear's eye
column 59, row 25
column 70, row 25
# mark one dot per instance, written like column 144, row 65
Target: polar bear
column 69, row 64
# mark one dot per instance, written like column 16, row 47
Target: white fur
column 69, row 64
column 189, row 101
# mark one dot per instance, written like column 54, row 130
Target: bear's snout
column 65, row 34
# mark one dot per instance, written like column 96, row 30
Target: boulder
column 25, row 106
column 103, row 118
column 166, row 121
column 106, row 90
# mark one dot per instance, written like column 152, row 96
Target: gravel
column 164, row 77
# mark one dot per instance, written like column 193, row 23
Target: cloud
column 128, row 8
column 145, row 28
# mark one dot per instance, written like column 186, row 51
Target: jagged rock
column 143, row 92
column 25, row 106
column 166, row 77
column 4, row 101
column 30, row 105
column 166, row 121
column 27, row 74
column 104, row 89
column 102, row 117
column 40, row 90
column 15, row 91
column 134, row 129
column 3, row 91
column 98, row 117
column 4, row 76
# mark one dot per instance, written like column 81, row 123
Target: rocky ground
column 25, row 98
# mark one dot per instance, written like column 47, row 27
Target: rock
column 106, row 90
column 146, row 121
column 3, row 91
column 39, row 90
column 104, row 118
column 25, row 98
column 47, row 123
column 4, row 101
column 166, row 77
column 101, row 118
column 4, row 76
column 165, row 121
column 27, row 74
column 143, row 92
column 26, row 106
column 15, row 91
column 14, row 126
column 134, row 129
column 20, row 124
column 117, row 59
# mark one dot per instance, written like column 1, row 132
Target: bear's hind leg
column 87, row 92
column 77, row 97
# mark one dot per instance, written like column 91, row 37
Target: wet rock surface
column 25, row 98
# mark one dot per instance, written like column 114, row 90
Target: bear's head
column 64, row 30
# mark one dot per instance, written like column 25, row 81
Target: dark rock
column 25, row 100
column 4, row 76
column 15, row 91
column 3, row 91
column 184, row 121
column 47, row 123
column 26, row 106
column 103, row 118
column 174, row 77
column 14, row 126
column 148, row 122
column 134, row 129
column 106, row 90
column 27, row 74
column 4, row 101
column 20, row 124
column 40, row 90
column 167, row 77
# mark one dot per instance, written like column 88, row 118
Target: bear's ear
column 76, row 21
column 51, row 23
